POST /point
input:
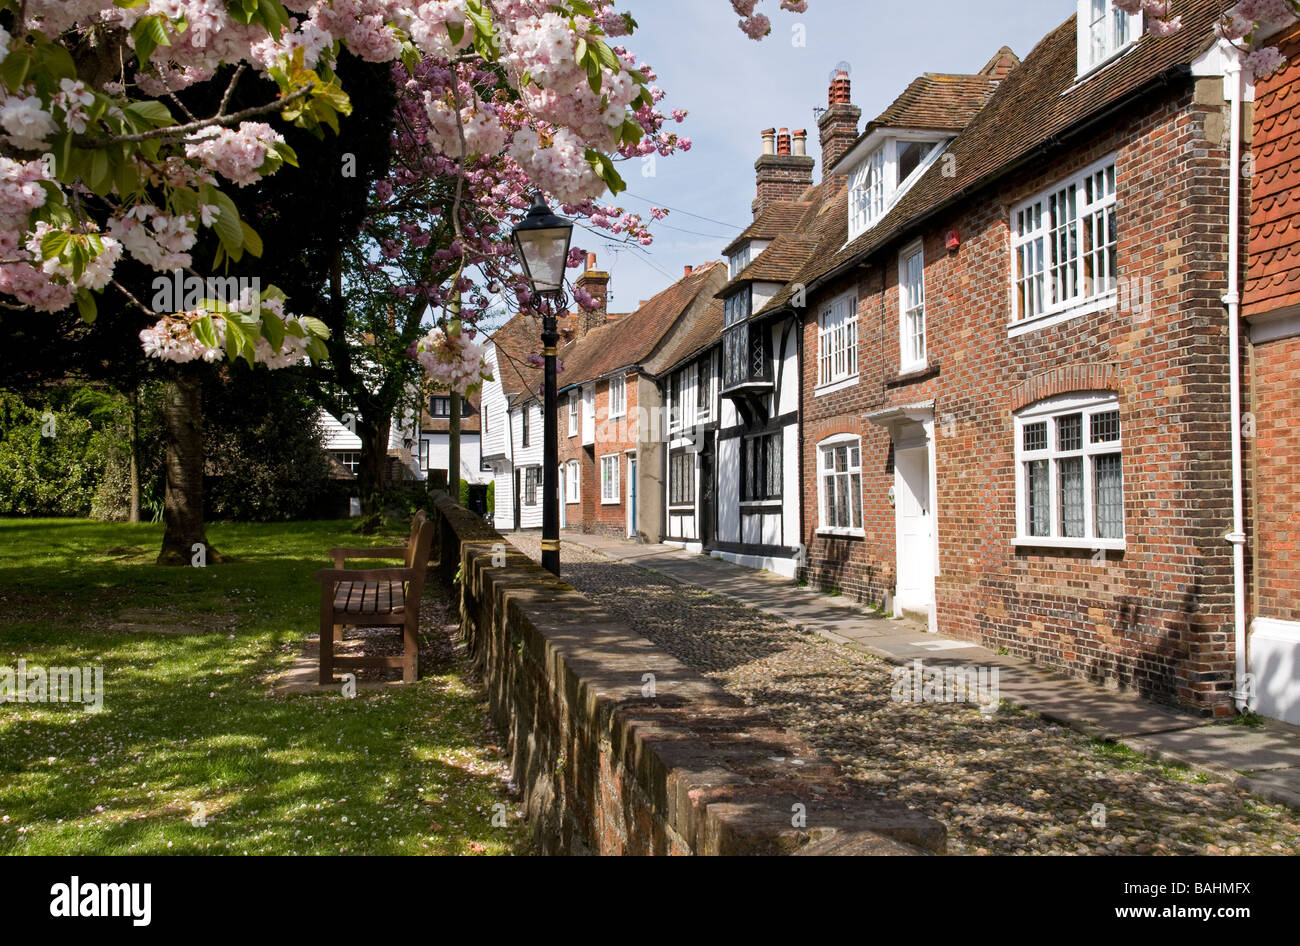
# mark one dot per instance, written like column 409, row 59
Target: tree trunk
column 373, row 475
column 184, row 539
column 135, row 455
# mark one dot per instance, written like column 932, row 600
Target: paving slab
column 1264, row 760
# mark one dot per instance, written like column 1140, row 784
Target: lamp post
column 542, row 244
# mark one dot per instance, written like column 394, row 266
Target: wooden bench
column 375, row 597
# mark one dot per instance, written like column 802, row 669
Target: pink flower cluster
column 172, row 337
column 235, row 154
column 452, row 362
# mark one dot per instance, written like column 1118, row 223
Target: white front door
column 915, row 529
column 631, row 497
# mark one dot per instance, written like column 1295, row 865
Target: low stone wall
column 620, row 748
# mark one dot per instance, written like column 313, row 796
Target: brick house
column 610, row 405
column 1271, row 306
column 1016, row 382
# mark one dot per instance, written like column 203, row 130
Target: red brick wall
column 612, row 436
column 1156, row 617
column 1276, row 450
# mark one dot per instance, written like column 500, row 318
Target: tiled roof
column 704, row 333
column 631, row 339
column 515, row 341
column 1036, row 104
column 937, row 100
column 778, row 217
column 1273, row 271
column 778, row 263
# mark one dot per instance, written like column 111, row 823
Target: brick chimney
column 839, row 123
column 597, row 284
column 782, row 173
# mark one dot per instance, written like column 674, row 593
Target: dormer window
column 885, row 175
column 745, row 255
column 1104, row 32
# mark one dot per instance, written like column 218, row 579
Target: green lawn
column 191, row 753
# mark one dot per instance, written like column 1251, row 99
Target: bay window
column 1069, row 481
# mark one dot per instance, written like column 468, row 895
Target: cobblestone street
column 1008, row 783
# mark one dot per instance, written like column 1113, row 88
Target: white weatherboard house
column 510, row 422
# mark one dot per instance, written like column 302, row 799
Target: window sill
column 913, row 374
column 609, row 502
column 834, row 386
column 1084, row 545
column 829, row 533
column 762, row 503
column 1109, row 301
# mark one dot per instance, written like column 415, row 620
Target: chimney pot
column 783, row 141
column 800, row 142
column 769, row 141
column 840, row 92
column 688, row 270
column 591, row 262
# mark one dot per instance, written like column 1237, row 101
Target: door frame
column 632, row 511
column 911, row 439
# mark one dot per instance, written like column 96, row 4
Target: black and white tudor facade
column 731, row 477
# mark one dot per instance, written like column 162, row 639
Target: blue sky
column 735, row 87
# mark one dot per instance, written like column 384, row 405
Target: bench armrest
column 365, row 574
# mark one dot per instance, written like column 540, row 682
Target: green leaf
column 228, row 226
column 314, row 325
column 53, row 244
column 287, row 154
column 155, row 113
column 57, row 61
column 593, row 74
column 273, row 331
column 86, row 305
column 580, row 51
column 101, row 172
column 15, row 67
column 148, row 33
column 205, row 331
column 252, row 242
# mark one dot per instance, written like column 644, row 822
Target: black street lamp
column 542, row 245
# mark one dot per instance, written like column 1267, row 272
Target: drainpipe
column 1232, row 299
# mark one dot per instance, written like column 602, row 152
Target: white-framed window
column 839, row 481
column 1063, row 245
column 573, row 413
column 424, row 455
column 1069, row 473
column 609, row 478
column 572, row 482
column 837, row 341
column 867, row 192
column 350, row 459
column 532, row 485
column 617, row 396
column 1104, row 32
column 911, row 305
column 525, row 427
column 884, row 175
